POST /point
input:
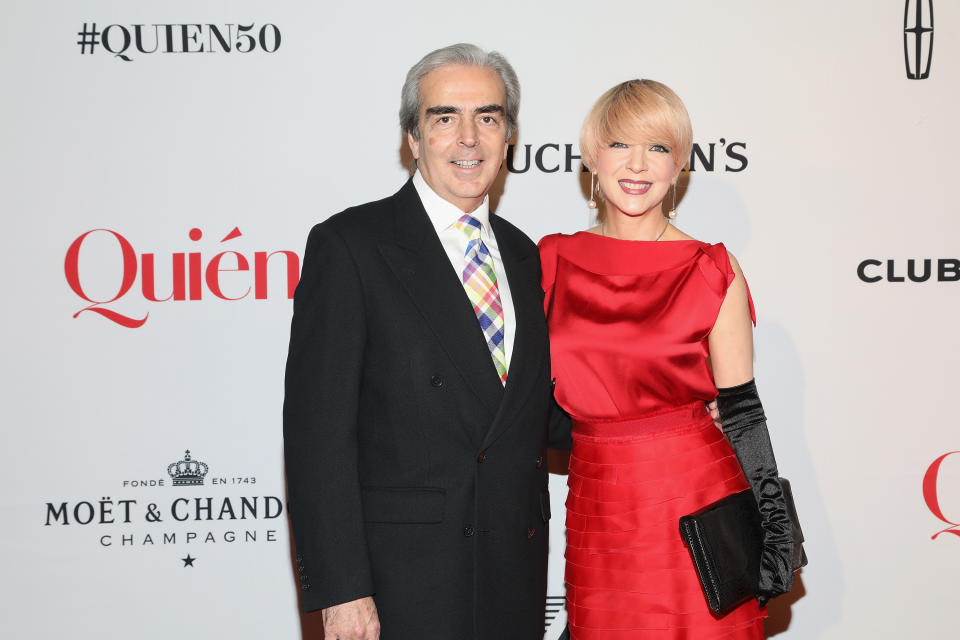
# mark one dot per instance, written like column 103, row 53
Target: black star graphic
column 188, row 561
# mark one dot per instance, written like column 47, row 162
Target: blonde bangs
column 637, row 111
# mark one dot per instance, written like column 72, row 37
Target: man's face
column 462, row 133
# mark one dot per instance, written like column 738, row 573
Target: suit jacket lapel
column 420, row 263
column 523, row 273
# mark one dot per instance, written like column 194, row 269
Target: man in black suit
column 417, row 417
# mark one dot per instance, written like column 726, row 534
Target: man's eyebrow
column 441, row 110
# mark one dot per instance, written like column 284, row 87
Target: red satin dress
column 628, row 335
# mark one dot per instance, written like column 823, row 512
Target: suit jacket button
column 481, row 457
column 468, row 532
column 539, row 461
column 530, row 532
column 436, row 381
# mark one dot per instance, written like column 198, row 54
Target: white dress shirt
column 443, row 215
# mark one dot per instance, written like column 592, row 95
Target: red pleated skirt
column 628, row 573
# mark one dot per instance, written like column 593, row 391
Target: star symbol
column 919, row 29
column 188, row 561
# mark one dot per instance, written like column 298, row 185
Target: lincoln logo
column 932, row 497
column 918, row 38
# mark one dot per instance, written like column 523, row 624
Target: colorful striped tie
column 480, row 283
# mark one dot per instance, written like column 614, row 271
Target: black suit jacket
column 413, row 474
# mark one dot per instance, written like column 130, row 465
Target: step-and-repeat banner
column 163, row 162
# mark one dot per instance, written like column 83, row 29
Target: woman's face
column 635, row 177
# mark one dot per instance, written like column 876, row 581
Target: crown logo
column 187, row 472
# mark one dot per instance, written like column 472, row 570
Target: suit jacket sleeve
column 560, row 427
column 322, row 388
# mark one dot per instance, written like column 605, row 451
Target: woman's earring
column 673, row 212
column 592, row 202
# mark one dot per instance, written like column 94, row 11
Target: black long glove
column 745, row 426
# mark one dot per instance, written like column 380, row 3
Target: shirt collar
column 443, row 213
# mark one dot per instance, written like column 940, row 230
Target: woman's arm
column 744, row 424
column 731, row 339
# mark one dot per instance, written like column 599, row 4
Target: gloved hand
column 745, row 426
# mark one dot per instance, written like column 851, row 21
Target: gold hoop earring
column 592, row 202
column 673, row 212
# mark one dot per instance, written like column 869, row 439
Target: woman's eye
column 618, row 145
column 660, row 148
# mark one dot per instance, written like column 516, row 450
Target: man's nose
column 468, row 133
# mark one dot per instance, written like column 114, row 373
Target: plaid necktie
column 480, row 283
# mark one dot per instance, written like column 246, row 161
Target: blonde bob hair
column 637, row 111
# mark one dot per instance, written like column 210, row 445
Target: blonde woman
column 645, row 324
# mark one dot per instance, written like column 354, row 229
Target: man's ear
column 414, row 145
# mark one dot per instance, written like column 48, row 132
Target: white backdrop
column 824, row 155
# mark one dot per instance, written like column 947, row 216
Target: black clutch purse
column 726, row 540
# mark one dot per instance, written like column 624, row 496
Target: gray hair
column 469, row 55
